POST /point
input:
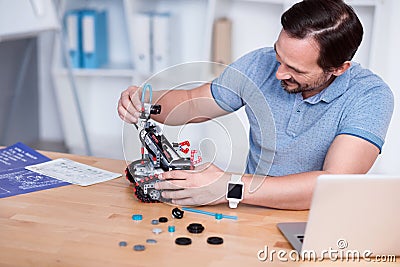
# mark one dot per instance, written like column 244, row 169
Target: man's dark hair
column 333, row 24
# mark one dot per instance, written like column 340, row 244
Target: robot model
column 161, row 156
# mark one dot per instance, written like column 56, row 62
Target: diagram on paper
column 73, row 172
column 21, row 181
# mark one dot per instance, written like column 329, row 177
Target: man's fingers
column 135, row 101
column 126, row 116
column 130, row 104
column 175, row 175
column 176, row 194
column 131, row 96
column 126, row 108
column 168, row 185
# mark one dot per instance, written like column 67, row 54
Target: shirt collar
column 337, row 88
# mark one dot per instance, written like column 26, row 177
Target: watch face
column 235, row 191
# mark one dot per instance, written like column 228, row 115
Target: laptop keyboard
column 300, row 238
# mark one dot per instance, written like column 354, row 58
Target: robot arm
column 161, row 156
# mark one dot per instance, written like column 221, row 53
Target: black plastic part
column 177, row 213
column 215, row 240
column 138, row 186
column 181, row 164
column 155, row 109
column 142, row 196
column 163, row 219
column 183, row 241
column 195, row 228
column 129, row 176
column 158, row 145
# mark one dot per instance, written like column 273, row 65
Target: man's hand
column 204, row 186
column 129, row 104
column 178, row 106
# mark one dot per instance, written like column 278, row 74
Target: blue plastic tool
column 217, row 216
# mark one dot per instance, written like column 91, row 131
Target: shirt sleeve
column 228, row 88
column 225, row 96
column 369, row 117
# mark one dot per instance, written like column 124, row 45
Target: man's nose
column 282, row 73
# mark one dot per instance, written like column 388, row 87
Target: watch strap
column 233, row 204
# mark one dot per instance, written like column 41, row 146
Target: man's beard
column 323, row 81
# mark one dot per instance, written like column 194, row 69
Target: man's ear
column 342, row 69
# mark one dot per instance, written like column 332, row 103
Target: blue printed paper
column 19, row 155
column 15, row 179
column 22, row 181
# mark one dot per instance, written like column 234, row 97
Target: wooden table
column 82, row 226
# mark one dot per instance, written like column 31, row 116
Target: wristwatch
column 234, row 192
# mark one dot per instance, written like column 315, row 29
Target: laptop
column 350, row 213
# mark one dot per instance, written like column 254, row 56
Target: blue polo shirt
column 289, row 134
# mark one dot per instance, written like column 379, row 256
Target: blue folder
column 72, row 25
column 94, row 41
